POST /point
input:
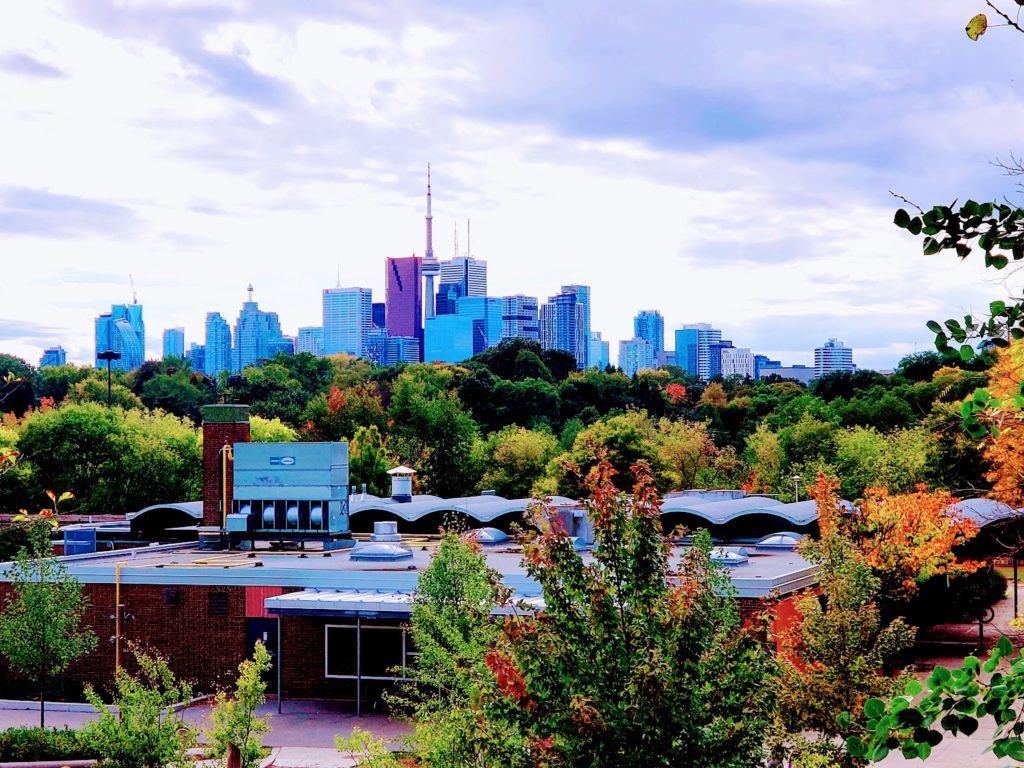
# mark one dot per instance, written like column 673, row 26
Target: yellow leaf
column 976, row 27
column 66, row 495
column 52, row 495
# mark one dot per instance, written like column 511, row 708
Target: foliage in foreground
column 21, row 745
column 147, row 732
column 234, row 721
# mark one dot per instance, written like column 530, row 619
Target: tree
column 514, row 459
column 146, row 732
column 339, row 413
column 93, row 390
column 40, row 625
column 631, row 662
column 838, row 653
column 369, row 461
column 234, row 722
column 263, row 430
column 867, row 458
column 16, row 392
column 452, row 631
column 686, row 451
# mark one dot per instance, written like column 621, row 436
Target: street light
column 109, row 355
column 796, row 487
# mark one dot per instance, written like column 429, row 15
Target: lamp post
column 796, row 487
column 108, row 355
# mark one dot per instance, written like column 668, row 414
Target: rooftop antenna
column 469, row 252
column 135, row 297
column 339, row 276
column 456, row 228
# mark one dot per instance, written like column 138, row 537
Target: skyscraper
column 635, row 355
column 311, row 340
column 693, row 348
column 402, row 349
column 469, row 274
column 832, row 356
column 403, row 295
column 599, row 351
column 257, row 336
column 519, row 318
column 431, row 266
column 448, row 339
column 196, row 356
column 715, row 349
column 217, row 351
column 561, row 326
column 649, row 324
column 53, row 356
column 583, row 298
column 737, row 361
column 348, row 319
column 379, row 315
column 121, row 330
column 174, row 342
column 486, row 313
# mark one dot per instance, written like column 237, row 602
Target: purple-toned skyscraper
column 403, row 296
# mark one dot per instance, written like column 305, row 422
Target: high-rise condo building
column 121, row 330
column 311, row 340
column 217, row 351
column 174, row 343
column 561, row 326
column 737, row 361
column 53, row 356
column 832, row 356
column 348, row 319
column 693, row 348
column 649, row 324
column 583, row 298
column 519, row 318
column 403, row 295
column 196, row 357
column 636, row 355
column 600, row 351
column 257, row 336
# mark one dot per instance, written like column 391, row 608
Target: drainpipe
column 117, row 617
column 227, row 453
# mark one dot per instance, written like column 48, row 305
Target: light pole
column 109, row 355
column 796, row 487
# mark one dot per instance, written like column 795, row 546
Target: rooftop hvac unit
column 288, row 491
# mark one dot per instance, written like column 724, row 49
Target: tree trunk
column 234, row 756
column 42, row 705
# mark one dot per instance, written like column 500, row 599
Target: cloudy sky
column 728, row 162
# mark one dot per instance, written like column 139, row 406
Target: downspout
column 227, row 453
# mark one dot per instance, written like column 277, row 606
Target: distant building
column 599, row 352
column 174, row 343
column 486, row 313
column 348, row 319
column 311, row 340
column 650, row 325
column 583, row 298
column 401, row 349
column 448, row 339
column 196, row 357
column 376, row 345
column 764, row 363
column 832, row 356
column 403, row 294
column 561, row 326
column 257, row 336
column 448, row 299
column 379, row 315
column 737, row 361
column 715, row 350
column 217, row 351
column 467, row 274
column 802, row 373
column 693, row 348
column 53, row 356
column 520, row 318
column 122, row 330
column 635, row 355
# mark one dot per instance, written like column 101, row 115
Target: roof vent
column 379, row 551
column 784, row 540
column 385, row 530
column 489, row 492
column 730, row 556
column 487, row 536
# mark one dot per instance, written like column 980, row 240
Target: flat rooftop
column 781, row 571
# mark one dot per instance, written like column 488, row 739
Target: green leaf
column 913, row 688
column 968, row 725
column 856, row 748
column 874, row 708
column 924, row 751
column 966, row 352
column 1004, row 646
column 914, row 227
column 930, row 246
column 902, row 219
column 933, row 326
column 1014, row 749
column 880, row 753
column 997, row 307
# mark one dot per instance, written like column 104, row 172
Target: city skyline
column 748, row 191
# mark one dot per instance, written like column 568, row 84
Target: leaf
column 933, row 326
column 968, row 725
column 930, row 246
column 997, row 307
column 855, row 747
column 874, row 708
column 902, row 219
column 913, row 688
column 914, row 227
column 976, row 27
column 966, row 352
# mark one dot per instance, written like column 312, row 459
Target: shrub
column 36, row 744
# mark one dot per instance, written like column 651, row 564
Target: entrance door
column 264, row 631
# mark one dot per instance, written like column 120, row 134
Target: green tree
column 94, row 390
column 55, row 381
column 865, row 458
column 40, row 625
column 631, row 662
column 234, row 722
column 514, row 459
column 16, row 390
column 369, row 461
column 146, row 732
column 263, row 430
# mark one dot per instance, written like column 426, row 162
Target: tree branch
column 1009, row 22
column 908, row 202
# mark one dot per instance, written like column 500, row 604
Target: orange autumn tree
column 1004, row 419
column 906, row 538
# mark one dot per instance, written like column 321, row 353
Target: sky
column 728, row 162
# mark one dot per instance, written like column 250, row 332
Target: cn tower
column 431, row 267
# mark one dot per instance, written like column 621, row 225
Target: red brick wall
column 215, row 436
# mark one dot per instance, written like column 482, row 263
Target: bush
column 35, row 744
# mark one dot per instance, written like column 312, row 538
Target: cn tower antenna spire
column 431, row 266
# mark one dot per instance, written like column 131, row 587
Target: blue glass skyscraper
column 174, row 342
column 650, row 325
column 217, row 354
column 561, row 326
column 53, row 356
column 257, row 336
column 348, row 320
column 122, row 331
column 583, row 298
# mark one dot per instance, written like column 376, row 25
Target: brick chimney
column 222, row 425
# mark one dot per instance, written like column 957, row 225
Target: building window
column 218, row 604
column 370, row 652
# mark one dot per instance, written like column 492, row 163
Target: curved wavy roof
column 481, row 508
column 983, row 511
column 190, row 508
column 720, row 512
